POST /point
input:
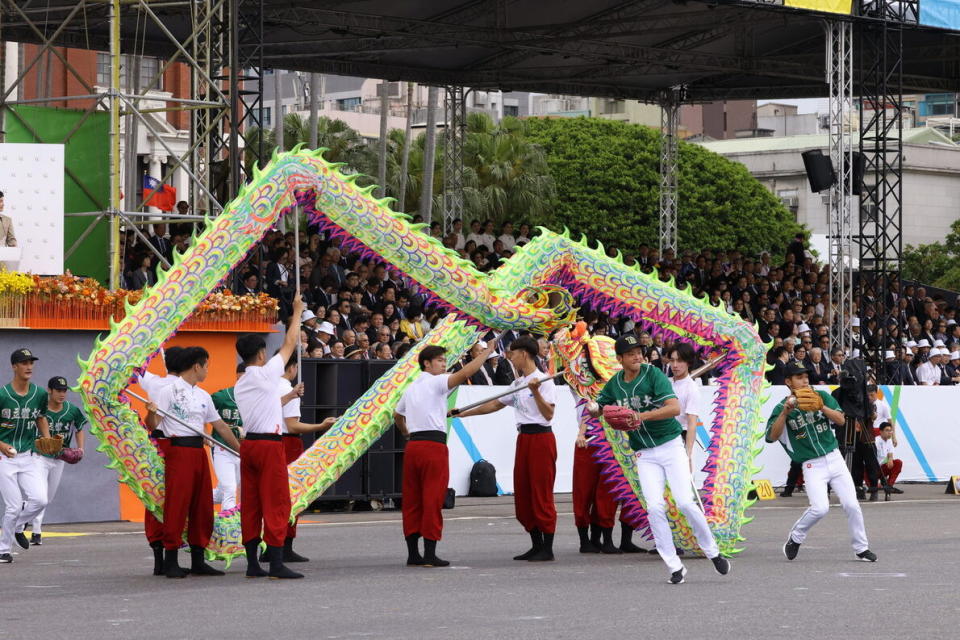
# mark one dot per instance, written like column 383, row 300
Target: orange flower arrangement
column 83, row 303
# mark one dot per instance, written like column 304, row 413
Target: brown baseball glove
column 48, row 446
column 808, row 399
column 620, row 418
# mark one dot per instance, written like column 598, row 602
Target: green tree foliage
column 937, row 263
column 607, row 180
column 343, row 144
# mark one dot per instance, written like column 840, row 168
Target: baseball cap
column 59, row 383
column 888, row 354
column 854, row 321
column 795, row 368
column 626, row 343
column 22, row 355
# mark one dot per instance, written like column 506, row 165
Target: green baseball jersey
column 226, row 405
column 18, row 416
column 648, row 391
column 807, row 434
column 64, row 422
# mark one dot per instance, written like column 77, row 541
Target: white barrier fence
column 928, row 433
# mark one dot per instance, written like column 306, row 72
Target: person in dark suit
column 777, row 375
column 142, row 276
column 249, row 284
column 816, row 366
column 161, row 243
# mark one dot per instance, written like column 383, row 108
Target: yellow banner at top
column 829, row 6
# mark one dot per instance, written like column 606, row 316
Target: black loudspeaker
column 858, row 169
column 819, row 170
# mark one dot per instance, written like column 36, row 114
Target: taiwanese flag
column 161, row 196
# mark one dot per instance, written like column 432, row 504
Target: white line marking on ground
column 848, row 574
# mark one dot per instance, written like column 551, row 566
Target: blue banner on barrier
column 940, row 13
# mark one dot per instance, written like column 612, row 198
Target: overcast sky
column 806, row 105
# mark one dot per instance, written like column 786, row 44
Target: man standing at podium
column 7, row 237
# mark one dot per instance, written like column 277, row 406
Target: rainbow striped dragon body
column 534, row 290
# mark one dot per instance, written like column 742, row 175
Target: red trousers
column 534, row 472
column 426, row 473
column 292, row 448
column 189, row 497
column 152, row 527
column 592, row 503
column 891, row 475
column 264, row 492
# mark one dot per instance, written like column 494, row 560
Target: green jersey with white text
column 226, row 405
column 650, row 390
column 807, row 434
column 64, row 422
column 18, row 415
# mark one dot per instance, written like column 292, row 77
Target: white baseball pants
column 24, row 494
column 668, row 463
column 227, row 468
column 51, row 470
column 817, row 474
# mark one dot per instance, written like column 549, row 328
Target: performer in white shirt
column 421, row 416
column 535, row 463
column 264, row 485
column 292, row 441
column 890, row 467
column 189, row 490
column 152, row 384
column 687, row 390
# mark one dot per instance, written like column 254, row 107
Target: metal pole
column 278, row 109
column 296, row 279
column 508, row 392
column 114, row 93
column 382, row 160
column 429, row 153
column 314, row 108
column 168, row 416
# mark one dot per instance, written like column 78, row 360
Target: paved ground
column 97, row 586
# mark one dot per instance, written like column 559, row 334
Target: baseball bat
column 168, row 416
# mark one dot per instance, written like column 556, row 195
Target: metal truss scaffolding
column 881, row 144
column 207, row 52
column 670, row 102
column 839, row 63
column 455, row 126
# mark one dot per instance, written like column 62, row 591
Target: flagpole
column 296, row 267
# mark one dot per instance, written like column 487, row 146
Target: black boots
column 430, row 558
column 289, row 555
column 608, row 546
column 536, row 541
column 197, row 565
column 278, row 571
column 585, row 545
column 414, row 559
column 157, row 557
column 545, row 553
column 595, row 533
column 171, row 568
column 254, row 570
column 626, row 540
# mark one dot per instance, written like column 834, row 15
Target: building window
column 265, row 119
column 348, row 104
column 511, row 110
column 942, row 109
column 149, row 67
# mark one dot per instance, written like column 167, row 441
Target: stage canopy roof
column 607, row 48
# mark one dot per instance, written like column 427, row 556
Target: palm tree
column 342, row 143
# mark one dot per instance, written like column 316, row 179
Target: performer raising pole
column 264, row 485
column 535, row 463
column 421, row 417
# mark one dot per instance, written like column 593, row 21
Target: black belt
column 430, row 435
column 275, row 437
column 157, row 434
column 194, row 442
column 534, row 428
column 291, row 435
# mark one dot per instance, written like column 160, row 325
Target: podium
column 10, row 257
